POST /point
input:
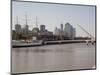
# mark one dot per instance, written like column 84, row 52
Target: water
column 53, row 58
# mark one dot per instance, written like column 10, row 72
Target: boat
column 22, row 43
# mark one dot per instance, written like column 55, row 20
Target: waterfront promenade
column 19, row 44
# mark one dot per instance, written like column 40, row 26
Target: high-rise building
column 69, row 31
column 42, row 27
column 74, row 33
column 18, row 28
column 61, row 27
column 25, row 30
column 26, row 27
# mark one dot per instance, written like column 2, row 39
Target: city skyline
column 52, row 15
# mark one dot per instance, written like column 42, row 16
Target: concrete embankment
column 19, row 45
column 64, row 42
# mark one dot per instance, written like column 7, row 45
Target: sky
column 52, row 15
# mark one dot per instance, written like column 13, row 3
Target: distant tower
column 56, row 31
column 26, row 27
column 17, row 26
column 42, row 27
column 74, row 32
column 69, row 31
column 61, row 27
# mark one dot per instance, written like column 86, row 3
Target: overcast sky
column 52, row 15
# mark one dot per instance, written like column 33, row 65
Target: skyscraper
column 69, row 31
column 42, row 27
column 18, row 28
column 61, row 27
column 26, row 27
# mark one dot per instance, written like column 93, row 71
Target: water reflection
column 37, row 50
column 52, row 58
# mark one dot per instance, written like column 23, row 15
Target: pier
column 41, row 43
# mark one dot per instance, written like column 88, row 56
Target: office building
column 18, row 28
column 61, row 27
column 69, row 31
column 42, row 27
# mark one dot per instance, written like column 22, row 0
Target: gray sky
column 52, row 15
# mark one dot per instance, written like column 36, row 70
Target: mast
column 36, row 22
column 16, row 19
column 26, row 18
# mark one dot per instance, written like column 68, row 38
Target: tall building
column 18, row 28
column 74, row 33
column 42, row 27
column 69, row 31
column 61, row 27
column 25, row 30
column 44, row 32
column 26, row 27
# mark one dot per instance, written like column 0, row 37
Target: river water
column 53, row 58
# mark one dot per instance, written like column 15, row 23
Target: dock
column 41, row 43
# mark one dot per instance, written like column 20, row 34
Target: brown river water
column 53, row 58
